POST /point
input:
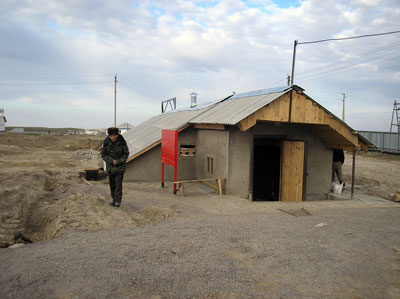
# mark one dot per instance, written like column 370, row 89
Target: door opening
column 266, row 169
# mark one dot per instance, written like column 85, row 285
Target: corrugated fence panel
column 384, row 141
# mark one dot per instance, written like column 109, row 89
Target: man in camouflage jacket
column 115, row 152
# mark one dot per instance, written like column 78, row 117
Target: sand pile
column 20, row 193
column 49, row 203
column 43, row 204
column 53, row 142
column 77, row 211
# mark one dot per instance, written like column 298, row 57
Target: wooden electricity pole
column 115, row 101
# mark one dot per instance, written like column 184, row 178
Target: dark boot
column 112, row 203
column 117, row 204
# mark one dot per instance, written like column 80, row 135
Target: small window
column 188, row 150
column 210, row 165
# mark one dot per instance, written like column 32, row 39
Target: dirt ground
column 160, row 245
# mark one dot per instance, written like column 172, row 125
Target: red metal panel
column 169, row 147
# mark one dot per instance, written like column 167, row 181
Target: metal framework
column 166, row 103
column 395, row 117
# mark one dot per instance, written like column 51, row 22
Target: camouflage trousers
column 116, row 185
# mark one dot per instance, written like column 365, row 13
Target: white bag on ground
column 337, row 188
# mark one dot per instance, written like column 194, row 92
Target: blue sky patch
column 279, row 3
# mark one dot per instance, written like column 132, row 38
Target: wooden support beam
column 353, row 174
column 209, row 126
column 217, row 186
column 344, row 147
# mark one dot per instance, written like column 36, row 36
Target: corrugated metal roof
column 226, row 111
column 236, row 108
column 261, row 92
column 149, row 132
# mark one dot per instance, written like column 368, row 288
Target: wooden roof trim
column 277, row 110
column 301, row 109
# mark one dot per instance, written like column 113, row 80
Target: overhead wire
column 58, row 77
column 347, row 38
column 354, row 69
column 306, row 73
column 138, row 89
column 60, row 83
column 344, row 67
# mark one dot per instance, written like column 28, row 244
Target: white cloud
column 162, row 49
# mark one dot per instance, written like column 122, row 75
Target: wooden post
column 352, row 173
column 296, row 42
column 175, row 178
column 162, row 174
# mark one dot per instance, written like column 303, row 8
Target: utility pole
column 115, row 101
column 344, row 98
column 288, row 79
column 296, row 42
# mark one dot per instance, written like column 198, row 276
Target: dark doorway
column 267, row 169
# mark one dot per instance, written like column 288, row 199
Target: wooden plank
column 195, row 180
column 343, row 147
column 217, row 186
column 292, row 171
column 277, row 110
column 210, row 185
column 209, row 126
column 218, row 181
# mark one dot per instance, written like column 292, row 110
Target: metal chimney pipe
column 193, row 99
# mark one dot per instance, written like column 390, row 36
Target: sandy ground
column 159, row 245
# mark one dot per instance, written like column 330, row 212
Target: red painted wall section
column 169, row 147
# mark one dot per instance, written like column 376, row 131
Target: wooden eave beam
column 209, row 126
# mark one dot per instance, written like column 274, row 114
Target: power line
column 58, row 77
column 296, row 43
column 346, row 66
column 138, row 89
column 63, row 83
column 345, row 38
column 314, row 77
column 343, row 62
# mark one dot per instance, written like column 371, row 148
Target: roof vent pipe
column 193, row 99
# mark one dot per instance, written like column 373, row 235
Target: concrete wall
column 214, row 144
column 231, row 151
column 240, row 144
column 147, row 167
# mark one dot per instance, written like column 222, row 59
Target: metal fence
column 384, row 141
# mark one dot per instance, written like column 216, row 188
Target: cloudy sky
column 58, row 58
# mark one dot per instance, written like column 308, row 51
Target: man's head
column 113, row 133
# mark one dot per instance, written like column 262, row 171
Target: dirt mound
column 42, row 205
column 87, row 211
column 77, row 211
column 20, row 191
column 62, row 142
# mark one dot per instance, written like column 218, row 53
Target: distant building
column 18, row 130
column 125, row 127
column 92, row 132
column 3, row 121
